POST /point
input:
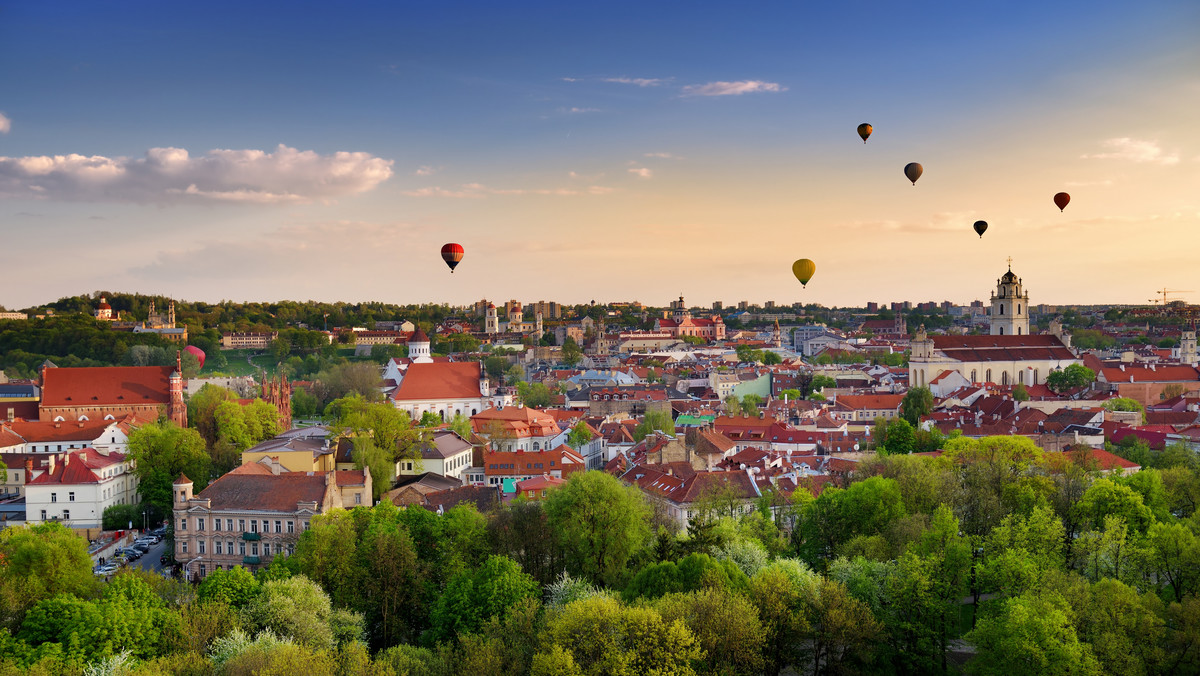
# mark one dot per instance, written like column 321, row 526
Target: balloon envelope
column 1061, row 200
column 981, row 227
column 196, row 351
column 864, row 130
column 804, row 269
column 452, row 254
column 913, row 171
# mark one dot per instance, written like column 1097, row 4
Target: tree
column 604, row 637
column 1030, row 634
column 1173, row 556
column 1072, row 377
column 161, row 452
column 299, row 609
column 895, row 436
column 600, row 523
column 495, row 367
column 534, row 395
column 580, row 434
column 202, row 408
column 473, row 597
column 654, row 421
column 235, row 587
column 771, row 358
column 1125, row 404
column 917, row 403
column 726, row 627
column 37, row 563
column 843, row 631
column 571, row 354
column 1106, row 497
column 1020, row 393
column 381, row 435
column 791, row 394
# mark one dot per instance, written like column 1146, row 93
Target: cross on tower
column 1010, row 262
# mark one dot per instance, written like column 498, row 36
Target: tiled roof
column 1144, row 374
column 861, row 402
column 352, row 477
column 445, row 444
column 107, row 386
column 78, row 467
column 449, row 380
column 266, row 492
column 1001, row 348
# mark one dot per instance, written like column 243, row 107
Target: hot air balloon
column 452, row 253
column 980, row 227
column 1061, row 200
column 804, row 270
column 192, row 349
column 864, row 130
column 913, row 171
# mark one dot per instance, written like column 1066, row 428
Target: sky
column 598, row 151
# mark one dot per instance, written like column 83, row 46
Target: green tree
column 1030, row 635
column 604, row 637
column 654, row 421
column 571, row 354
column 161, row 452
column 473, row 597
column 1106, row 497
column 917, row 404
column 726, row 627
column 299, row 609
column 600, row 524
column 37, row 563
column 791, row 394
column 844, row 633
column 896, row 436
column 534, row 395
column 1125, row 404
column 580, row 434
column 1173, row 557
column 1020, row 393
column 1069, row 378
column 235, row 587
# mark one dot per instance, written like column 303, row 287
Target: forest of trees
column 992, row 559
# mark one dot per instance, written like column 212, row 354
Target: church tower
column 418, row 348
column 679, row 311
column 1187, row 347
column 777, row 335
column 176, row 409
column 1010, row 306
column 492, row 322
column 537, row 326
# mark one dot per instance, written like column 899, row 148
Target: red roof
column 449, row 380
column 107, row 386
column 1144, row 374
column 1001, row 348
column 77, row 467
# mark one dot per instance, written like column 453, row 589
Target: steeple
column 1010, row 306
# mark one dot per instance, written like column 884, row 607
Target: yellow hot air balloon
column 804, row 270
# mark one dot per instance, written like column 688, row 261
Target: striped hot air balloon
column 452, row 253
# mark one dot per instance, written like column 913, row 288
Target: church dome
column 419, row 337
column 1008, row 278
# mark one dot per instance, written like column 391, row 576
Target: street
column 150, row 560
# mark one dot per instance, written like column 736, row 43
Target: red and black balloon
column 453, row 254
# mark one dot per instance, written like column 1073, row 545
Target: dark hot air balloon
column 864, row 130
column 980, row 227
column 913, row 171
column 192, row 349
column 1061, row 200
column 452, row 254
column 804, row 270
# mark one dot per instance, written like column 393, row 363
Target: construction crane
column 1165, row 292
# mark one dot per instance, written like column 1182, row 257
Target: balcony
column 251, row 536
column 250, row 560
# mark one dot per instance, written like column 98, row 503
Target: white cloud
column 570, row 79
column 580, row 110
column 5, row 124
column 639, row 81
column 479, row 191
column 1135, row 150
column 1080, row 184
column 641, row 172
column 661, row 156
column 425, row 170
column 732, row 88
column 170, row 175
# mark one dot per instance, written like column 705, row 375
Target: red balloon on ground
column 192, row 349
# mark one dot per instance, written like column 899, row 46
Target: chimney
column 28, row 469
column 51, row 469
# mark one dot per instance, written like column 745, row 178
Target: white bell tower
column 1010, row 306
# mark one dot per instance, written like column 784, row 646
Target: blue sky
column 610, row 150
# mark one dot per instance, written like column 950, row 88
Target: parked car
column 166, row 560
column 150, row 539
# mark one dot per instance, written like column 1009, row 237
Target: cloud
column 570, row 79
column 1135, row 150
column 579, row 110
column 5, row 124
column 480, row 191
column 732, row 88
column 1080, row 184
column 639, row 81
column 425, row 170
column 662, row 156
column 172, row 175
column 641, row 172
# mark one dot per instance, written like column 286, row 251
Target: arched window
column 1018, row 330
column 1002, row 330
column 1035, row 377
column 1002, row 309
column 1004, row 378
column 83, row 417
column 536, row 446
column 1018, row 309
column 988, row 375
column 974, row 379
column 1021, row 376
column 474, row 412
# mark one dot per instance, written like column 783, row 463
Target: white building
column 1010, row 307
column 446, row 389
column 446, row 454
column 77, row 489
column 45, row 436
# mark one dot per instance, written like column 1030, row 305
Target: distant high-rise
column 718, row 306
column 549, row 310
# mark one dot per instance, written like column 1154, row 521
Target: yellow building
column 304, row 449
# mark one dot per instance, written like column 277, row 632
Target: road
column 149, row 560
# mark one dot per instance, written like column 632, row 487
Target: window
column 291, row 527
column 989, row 375
column 242, row 548
column 183, row 547
column 278, row 526
column 199, row 523
column 1018, row 330
column 66, row 515
column 291, row 549
column 220, row 546
column 182, row 496
column 229, row 547
column 54, row 497
column 203, row 570
column 266, row 526
column 253, row 549
column 1002, row 330
column 1002, row 309
column 71, row 496
column 201, row 547
column 305, row 525
column 183, row 524
column 43, row 515
column 357, row 500
column 216, row 524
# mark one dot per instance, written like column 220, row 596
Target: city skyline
column 609, row 153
